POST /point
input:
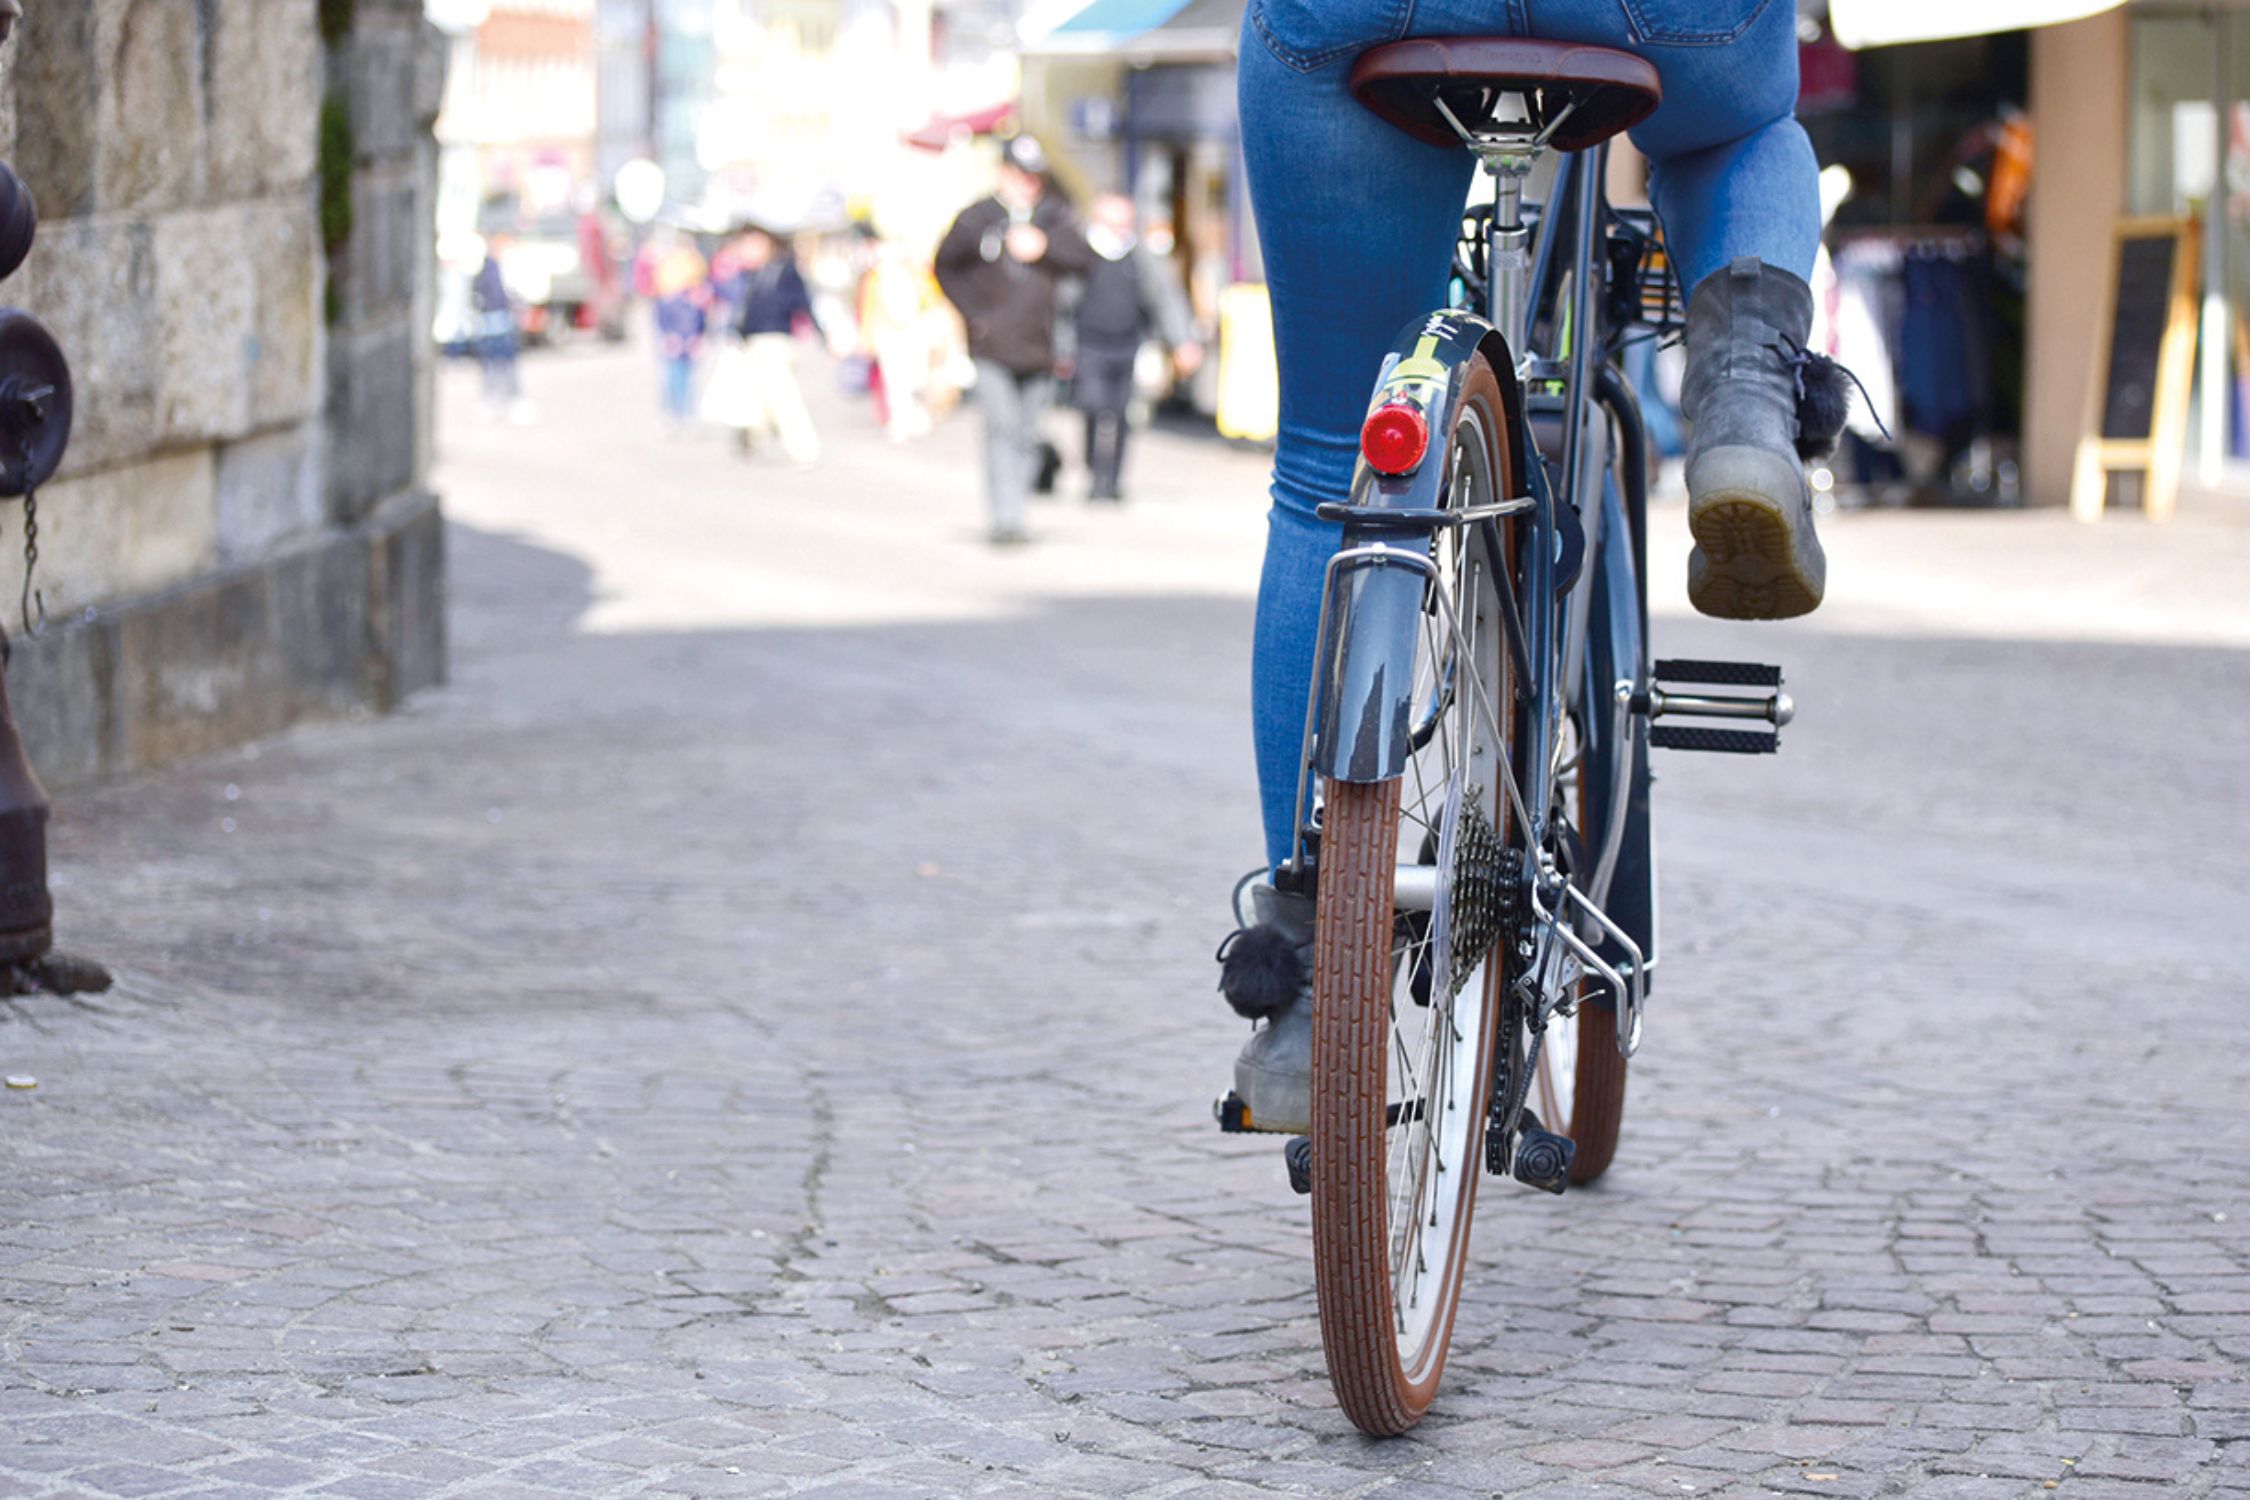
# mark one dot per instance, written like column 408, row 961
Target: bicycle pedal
column 1665, row 697
column 1710, row 741
column 1543, row 1158
column 1297, row 1156
column 1718, row 673
column 1232, row 1114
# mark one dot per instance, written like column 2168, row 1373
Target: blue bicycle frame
column 1574, row 608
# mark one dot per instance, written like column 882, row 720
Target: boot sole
column 1752, row 561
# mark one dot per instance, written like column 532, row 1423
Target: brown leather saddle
column 1573, row 95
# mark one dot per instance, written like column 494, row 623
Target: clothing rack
column 1911, row 310
column 1952, row 241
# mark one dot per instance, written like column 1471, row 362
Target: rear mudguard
column 1378, row 580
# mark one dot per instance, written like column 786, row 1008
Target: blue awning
column 1120, row 20
column 1133, row 30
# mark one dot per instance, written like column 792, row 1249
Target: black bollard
column 35, row 416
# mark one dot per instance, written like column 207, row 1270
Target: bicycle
column 1473, row 798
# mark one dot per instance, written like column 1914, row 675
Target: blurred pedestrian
column 896, row 298
column 1128, row 298
column 498, row 340
column 682, row 293
column 776, row 308
column 999, row 265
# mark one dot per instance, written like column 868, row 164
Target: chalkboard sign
column 2136, row 416
column 2137, row 325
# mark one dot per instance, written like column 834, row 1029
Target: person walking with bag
column 1127, row 296
column 774, row 305
column 999, row 265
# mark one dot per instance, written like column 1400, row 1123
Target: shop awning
column 944, row 130
column 1133, row 30
column 1884, row 23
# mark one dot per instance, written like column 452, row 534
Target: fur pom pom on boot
column 1260, row 972
column 1824, row 403
column 1265, row 971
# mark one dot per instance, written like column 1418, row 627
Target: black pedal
column 1233, row 1115
column 1681, row 689
column 1714, row 741
column 1297, row 1156
column 1543, row 1158
column 1719, row 673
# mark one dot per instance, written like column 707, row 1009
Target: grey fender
column 1367, row 710
column 1377, row 587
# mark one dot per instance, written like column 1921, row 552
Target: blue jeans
column 1356, row 220
column 679, row 386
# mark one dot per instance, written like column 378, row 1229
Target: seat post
column 1508, row 251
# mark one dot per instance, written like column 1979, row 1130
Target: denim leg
column 1731, row 170
column 679, row 388
column 1356, row 220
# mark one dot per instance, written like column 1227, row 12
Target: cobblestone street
column 752, row 1033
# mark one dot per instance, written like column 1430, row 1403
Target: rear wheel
column 1407, row 975
column 1578, row 1086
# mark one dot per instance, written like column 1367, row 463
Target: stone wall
column 240, row 537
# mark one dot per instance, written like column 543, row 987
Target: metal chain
column 32, row 626
column 32, row 597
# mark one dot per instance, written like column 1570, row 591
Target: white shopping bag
column 729, row 396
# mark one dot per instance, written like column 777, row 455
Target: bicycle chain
column 31, row 597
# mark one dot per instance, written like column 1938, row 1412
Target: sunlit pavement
column 753, row 1033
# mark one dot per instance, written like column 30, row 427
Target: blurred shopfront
column 1145, row 107
column 2188, row 154
column 2140, row 111
column 1927, row 154
column 1974, row 187
column 1987, row 179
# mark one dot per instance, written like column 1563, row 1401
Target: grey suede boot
column 1759, row 405
column 1266, row 975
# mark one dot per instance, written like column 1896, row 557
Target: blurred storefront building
column 520, row 164
column 519, row 106
column 1977, row 185
column 2143, row 111
column 1979, row 160
column 800, row 113
column 1137, row 97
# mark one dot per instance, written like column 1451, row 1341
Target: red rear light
column 1394, row 439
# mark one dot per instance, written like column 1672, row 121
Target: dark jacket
column 1124, row 300
column 1008, row 305
column 773, row 299
column 490, row 289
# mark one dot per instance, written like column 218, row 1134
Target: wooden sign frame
column 2158, row 455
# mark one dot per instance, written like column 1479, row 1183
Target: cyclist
column 1357, row 220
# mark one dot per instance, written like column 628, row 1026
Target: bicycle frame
column 1581, row 545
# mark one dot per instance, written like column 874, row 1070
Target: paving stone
column 519, row 1099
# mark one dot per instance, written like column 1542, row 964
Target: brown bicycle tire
column 1383, row 1389
column 1597, row 1104
column 1381, row 1392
